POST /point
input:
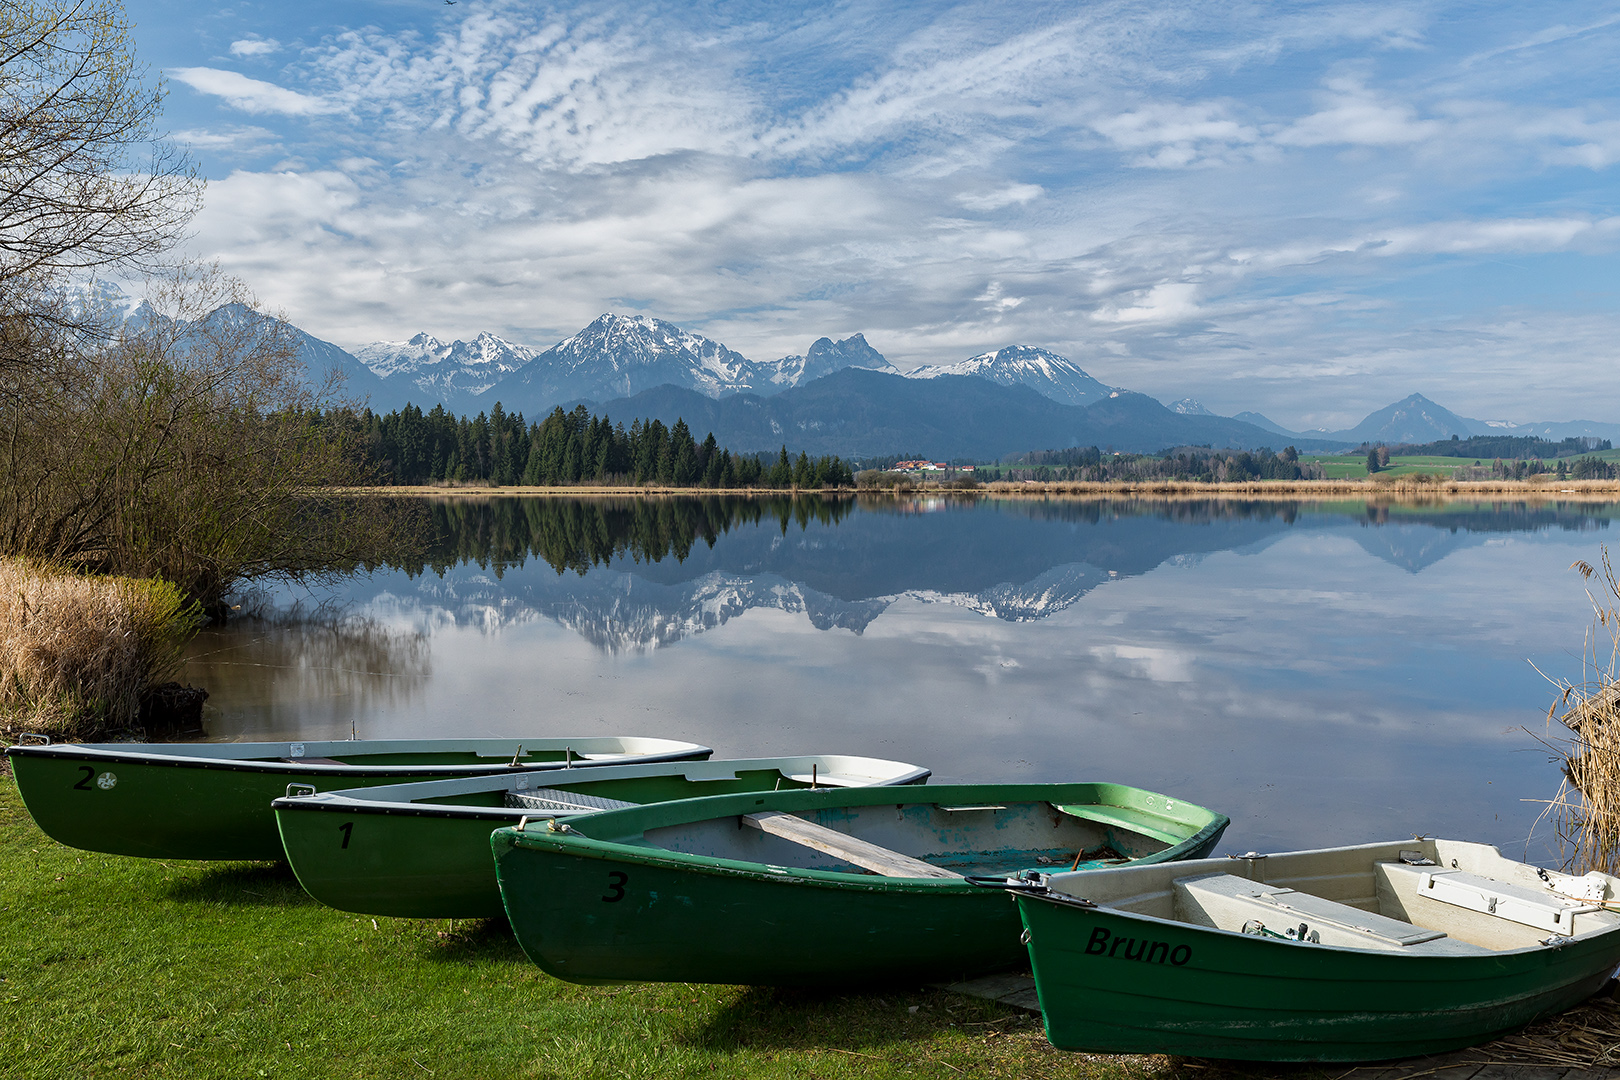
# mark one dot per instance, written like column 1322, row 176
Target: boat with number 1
column 422, row 850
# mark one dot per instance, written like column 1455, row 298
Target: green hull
column 149, row 801
column 603, row 903
column 1107, row 986
column 396, row 853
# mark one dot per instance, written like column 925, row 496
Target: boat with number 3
column 842, row 887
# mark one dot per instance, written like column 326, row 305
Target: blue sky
column 1308, row 210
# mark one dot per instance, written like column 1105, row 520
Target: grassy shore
column 142, row 968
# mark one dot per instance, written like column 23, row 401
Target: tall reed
column 1586, row 811
column 78, row 653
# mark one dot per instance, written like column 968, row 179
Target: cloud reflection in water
column 1318, row 673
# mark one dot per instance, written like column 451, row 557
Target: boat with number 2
column 212, row 800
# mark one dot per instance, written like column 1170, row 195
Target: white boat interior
column 1414, row 897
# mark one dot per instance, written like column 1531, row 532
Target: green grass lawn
column 132, row 967
column 1354, row 467
column 1344, row 467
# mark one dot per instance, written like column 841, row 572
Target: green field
column 1354, row 466
column 150, row 969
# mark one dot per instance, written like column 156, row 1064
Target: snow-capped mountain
column 442, row 372
column 1047, row 373
column 621, row 355
column 623, row 613
column 825, row 357
column 1189, row 407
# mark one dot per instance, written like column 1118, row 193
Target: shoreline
column 1396, row 488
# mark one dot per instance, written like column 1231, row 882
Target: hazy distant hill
column 858, row 413
column 1414, row 419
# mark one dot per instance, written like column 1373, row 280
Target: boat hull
column 1222, row 995
column 424, row 861
column 628, row 919
column 166, row 806
column 601, row 910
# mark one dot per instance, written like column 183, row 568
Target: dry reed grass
column 77, row 653
column 1585, row 812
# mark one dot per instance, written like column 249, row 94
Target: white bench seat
column 1229, row 903
column 1539, row 908
column 857, row 852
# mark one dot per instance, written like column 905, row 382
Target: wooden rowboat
column 1342, row 954
column 422, row 850
column 816, row 887
column 212, row 800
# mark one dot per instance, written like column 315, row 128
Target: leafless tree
column 86, row 183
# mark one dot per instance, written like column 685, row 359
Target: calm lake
column 1321, row 672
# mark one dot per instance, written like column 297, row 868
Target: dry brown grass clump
column 1586, row 810
column 77, row 653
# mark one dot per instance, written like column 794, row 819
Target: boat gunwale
column 367, row 800
column 1316, row 947
column 296, row 767
column 577, row 844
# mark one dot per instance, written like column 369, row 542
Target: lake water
column 1321, row 672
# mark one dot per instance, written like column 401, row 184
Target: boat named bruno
column 1341, row 954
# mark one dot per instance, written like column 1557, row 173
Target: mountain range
column 843, row 397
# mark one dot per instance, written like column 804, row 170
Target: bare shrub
column 185, row 444
column 77, row 653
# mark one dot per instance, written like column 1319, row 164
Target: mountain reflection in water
column 1321, row 672
column 636, row 573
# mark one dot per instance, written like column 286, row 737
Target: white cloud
column 1171, row 135
column 1169, row 302
column 255, row 47
column 1011, row 195
column 1355, row 115
column 226, row 138
column 251, row 95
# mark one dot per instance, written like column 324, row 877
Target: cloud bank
column 1309, row 212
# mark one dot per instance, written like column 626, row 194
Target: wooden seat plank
column 868, row 856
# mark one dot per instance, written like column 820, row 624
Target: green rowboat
column 422, row 850
column 1343, row 954
column 212, row 800
column 816, row 887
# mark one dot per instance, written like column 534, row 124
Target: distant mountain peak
column 1266, row 423
column 443, row 371
column 824, row 357
column 1413, row 419
column 1189, row 407
column 1047, row 373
